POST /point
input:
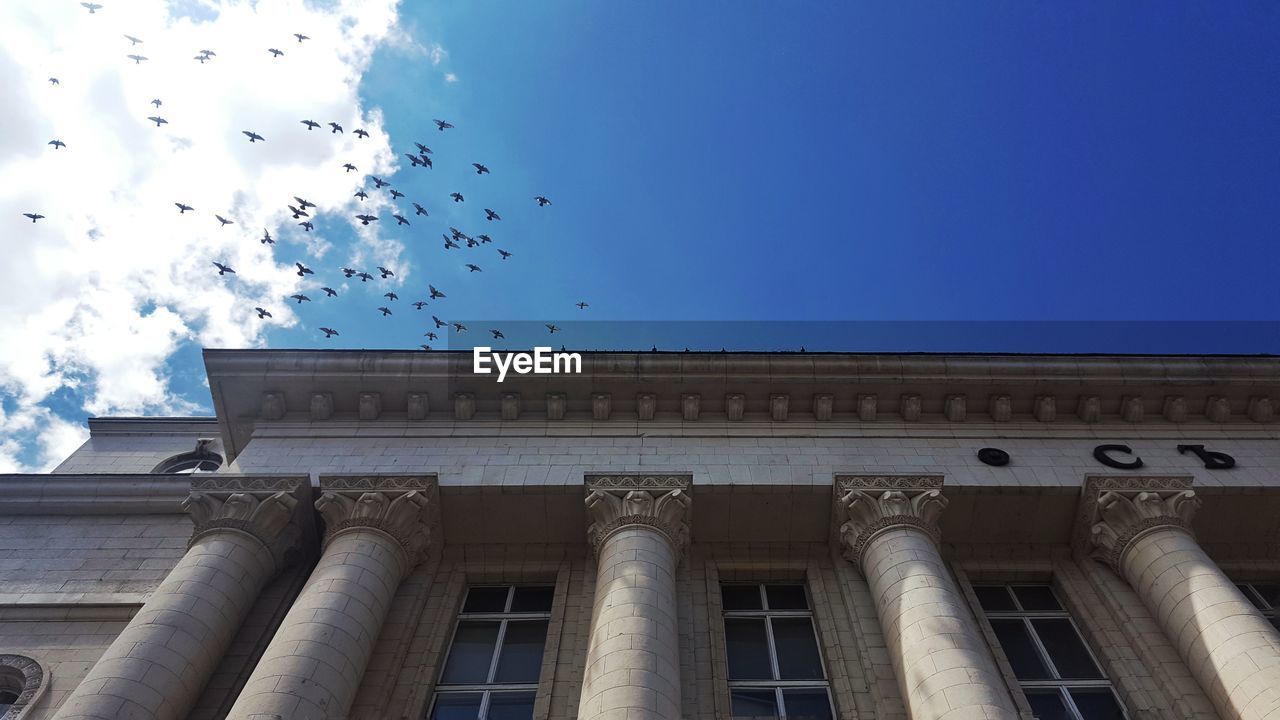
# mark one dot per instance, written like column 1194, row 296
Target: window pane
column 533, row 599
column 471, row 653
column 994, row 598
column 740, row 597
column 1097, row 704
column 486, row 600
column 786, row 597
column 1049, row 705
column 1037, row 598
column 1066, row 649
column 510, row 706
column 1270, row 593
column 747, row 704
column 1251, row 596
column 521, row 657
column 1021, row 651
column 456, row 706
column 797, row 648
column 806, row 704
column 748, row 649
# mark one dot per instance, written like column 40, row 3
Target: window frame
column 1249, row 588
column 777, row 685
column 488, row 688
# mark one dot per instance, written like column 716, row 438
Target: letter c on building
column 1100, row 454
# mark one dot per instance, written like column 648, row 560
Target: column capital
column 405, row 517
column 268, row 518
column 659, row 502
column 867, row 506
column 1122, row 517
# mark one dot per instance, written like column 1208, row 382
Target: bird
column 497, row 334
column 266, row 237
column 425, row 347
column 54, row 81
column 348, row 271
column 301, row 37
column 303, row 270
column 385, row 272
column 480, row 169
column 328, row 332
column 183, row 208
column 362, row 195
column 491, row 215
column 297, row 212
column 274, row 52
column 459, row 327
column 137, row 59
column 449, row 243
column 423, row 149
column 471, row 242
column 361, row 132
column 442, row 125
column 307, row 225
column 336, row 128
column 457, row 197
column 225, row 222
column 473, row 268
column 435, row 294
column 413, row 160
column 583, row 306
column 93, row 7
column 419, row 305
column 396, row 194
column 364, row 276
column 366, row 219
column 158, row 120
column 202, row 58
column 57, row 144
column 484, row 238
column 208, row 53
column 223, row 269
column 378, row 182
column 430, row 336
column 329, row 292
column 311, row 124
column 439, row 323
column 262, row 313
column 253, row 136
column 132, row 40
column 300, row 298
column 504, row 253
column 34, row 216
column 419, row 210
column 554, row 329
column 304, row 204
column 426, row 161
column 348, row 167
column 542, row 202
column 391, row 296
column 400, row 220
column 385, row 311
column 455, row 232
column 157, row 102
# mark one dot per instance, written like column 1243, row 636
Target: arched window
column 22, row 682
column 202, row 459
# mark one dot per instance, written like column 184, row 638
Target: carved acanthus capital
column 868, row 512
column 1124, row 517
column 406, row 517
column 266, row 518
column 658, row 503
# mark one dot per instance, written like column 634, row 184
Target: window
column 491, row 671
column 775, row 669
column 1055, row 668
column 21, row 684
column 201, row 459
column 1266, row 598
column 7, row 700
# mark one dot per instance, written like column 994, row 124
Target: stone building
column 385, row 535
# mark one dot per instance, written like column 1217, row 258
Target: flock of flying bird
column 453, row 239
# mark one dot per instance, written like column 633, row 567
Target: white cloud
column 102, row 291
column 450, row 78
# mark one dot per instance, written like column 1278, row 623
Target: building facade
column 378, row 534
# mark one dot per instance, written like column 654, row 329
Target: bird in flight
column 304, row 204
column 208, row 53
column 34, row 216
column 54, row 81
column 471, row 242
column 473, row 267
column 378, row 182
column 484, row 238
column 400, row 220
column 504, row 253
column 554, row 329
column 301, row 37
column 297, row 212
column 93, row 7
column 223, row 269
column 385, row 311
column 307, row 225
column 459, row 327
column 442, row 125
column 480, row 169
column 158, row 120
column 419, row 305
column 583, row 306
column 457, row 197
column 303, row 270
column 391, row 296
column 137, row 59
column 132, row 40
column 364, row 276
column 491, row 215
column 202, row 58
column 497, row 334
column 300, row 298
column 274, row 52
column 348, row 271
column 425, row 347
column 311, row 124
column 336, row 128
column 328, row 332
column 423, row 149
column 366, row 219
column 385, row 272
column 413, row 160
column 439, row 323
column 329, row 292
column 183, row 208
column 419, row 210
column 349, row 167
column 57, row 144
column 435, row 294
column 266, row 237
column 431, row 335
column 542, row 202
column 262, row 313
column 426, row 161
column 362, row 195
column 253, row 136
column 225, row 222
column 361, row 132
column 449, row 243
column 156, row 102
column 395, row 194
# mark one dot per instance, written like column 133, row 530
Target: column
column 317, row 658
column 633, row 661
column 944, row 665
column 1227, row 644
column 158, row 665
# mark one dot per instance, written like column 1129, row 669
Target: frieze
column 639, row 481
column 845, row 483
column 247, row 483
column 377, row 482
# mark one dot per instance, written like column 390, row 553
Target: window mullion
column 1040, row 647
column 778, row 701
column 484, row 706
column 773, row 651
column 497, row 652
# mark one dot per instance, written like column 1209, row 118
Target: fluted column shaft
column 944, row 666
column 157, row 666
column 1232, row 650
